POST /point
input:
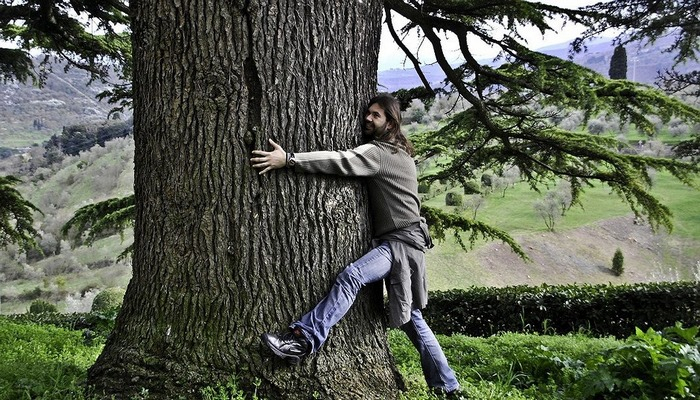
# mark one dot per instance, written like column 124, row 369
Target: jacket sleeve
column 360, row 161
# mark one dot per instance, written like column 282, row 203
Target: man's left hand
column 269, row 160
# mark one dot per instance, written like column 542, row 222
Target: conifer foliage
column 648, row 21
column 16, row 216
column 92, row 35
column 618, row 262
column 618, row 63
column 510, row 121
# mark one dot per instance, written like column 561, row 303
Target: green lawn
column 515, row 213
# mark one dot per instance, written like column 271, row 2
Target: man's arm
column 360, row 161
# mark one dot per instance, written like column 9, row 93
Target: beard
column 370, row 131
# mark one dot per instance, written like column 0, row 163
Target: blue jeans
column 372, row 267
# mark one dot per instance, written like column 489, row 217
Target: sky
column 390, row 56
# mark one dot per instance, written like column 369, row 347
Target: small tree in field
column 548, row 208
column 617, row 263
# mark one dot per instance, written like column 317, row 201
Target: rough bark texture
column 222, row 254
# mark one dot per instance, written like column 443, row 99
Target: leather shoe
column 455, row 394
column 291, row 346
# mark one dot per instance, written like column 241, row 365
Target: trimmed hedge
column 599, row 310
column 472, row 187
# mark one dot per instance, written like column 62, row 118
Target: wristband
column 291, row 161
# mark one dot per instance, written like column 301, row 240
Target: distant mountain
column 643, row 63
column 29, row 114
column 394, row 79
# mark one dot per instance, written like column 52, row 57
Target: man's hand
column 277, row 158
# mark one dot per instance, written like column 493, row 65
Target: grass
column 500, row 366
column 45, row 362
column 515, row 214
column 23, row 139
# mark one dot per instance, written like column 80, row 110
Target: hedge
column 91, row 323
column 599, row 310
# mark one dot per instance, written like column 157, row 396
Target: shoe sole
column 293, row 360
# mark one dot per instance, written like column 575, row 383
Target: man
column 400, row 240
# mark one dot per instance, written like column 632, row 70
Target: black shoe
column 455, row 394
column 291, row 346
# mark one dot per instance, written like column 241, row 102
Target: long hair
column 392, row 110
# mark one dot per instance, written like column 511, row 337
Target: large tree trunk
column 222, row 254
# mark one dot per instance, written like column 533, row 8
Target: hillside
column 578, row 255
column 31, row 115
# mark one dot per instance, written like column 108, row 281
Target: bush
column 617, row 263
column 10, row 269
column 472, row 187
column 31, row 294
column 651, row 365
column 42, row 306
column 423, row 187
column 108, row 301
column 597, row 127
column 95, row 323
column 486, row 180
column 454, row 199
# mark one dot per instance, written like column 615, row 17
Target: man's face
column 375, row 121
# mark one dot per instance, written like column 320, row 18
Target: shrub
column 486, row 180
column 617, row 263
column 42, row 306
column 423, row 187
column 108, row 301
column 471, row 187
column 651, row 365
column 31, row 294
column 454, row 199
column 96, row 323
column 10, row 269
column 597, row 127
column 63, row 263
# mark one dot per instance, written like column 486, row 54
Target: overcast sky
column 390, row 56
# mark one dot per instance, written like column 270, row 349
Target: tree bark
column 222, row 254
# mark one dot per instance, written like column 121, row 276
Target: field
column 582, row 245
